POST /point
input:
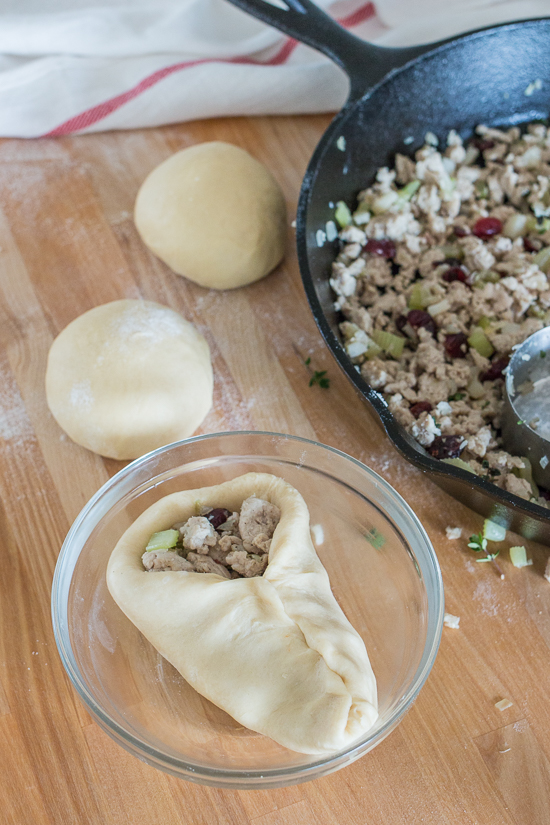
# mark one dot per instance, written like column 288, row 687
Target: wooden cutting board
column 68, row 244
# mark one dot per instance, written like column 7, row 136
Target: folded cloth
column 74, row 66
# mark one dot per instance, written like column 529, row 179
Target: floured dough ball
column 128, row 377
column 214, row 214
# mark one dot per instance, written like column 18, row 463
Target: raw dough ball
column 214, row 214
column 128, row 377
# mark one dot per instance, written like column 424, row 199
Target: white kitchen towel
column 73, row 66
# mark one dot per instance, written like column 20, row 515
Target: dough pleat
column 276, row 652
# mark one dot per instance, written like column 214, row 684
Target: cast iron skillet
column 396, row 96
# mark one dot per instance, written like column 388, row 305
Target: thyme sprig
column 478, row 543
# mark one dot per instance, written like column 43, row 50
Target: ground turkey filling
column 233, row 545
column 442, row 273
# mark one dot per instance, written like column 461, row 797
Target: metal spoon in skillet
column 396, row 94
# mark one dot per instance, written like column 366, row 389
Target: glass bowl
column 383, row 572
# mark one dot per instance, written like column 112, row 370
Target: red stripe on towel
column 102, row 110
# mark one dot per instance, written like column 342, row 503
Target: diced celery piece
column 518, row 556
column 362, row 214
column 537, row 312
column 417, row 298
column 438, row 307
column 543, row 226
column 479, row 341
column 390, row 343
column 475, row 388
column 485, row 276
column 383, row 202
column 482, row 190
column 493, row 531
column 362, row 206
column 453, row 250
column 458, row 462
column 515, row 226
column 509, row 328
column 164, row 540
column 526, row 472
column 356, row 341
column 409, row 190
column 422, row 295
column 373, row 351
column 484, row 322
column 542, row 259
column 342, row 214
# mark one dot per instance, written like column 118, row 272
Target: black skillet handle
column 364, row 63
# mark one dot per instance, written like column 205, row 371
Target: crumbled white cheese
column 451, row 621
column 453, row 533
column 425, row 431
column 331, row 231
column 443, row 408
column 320, row 237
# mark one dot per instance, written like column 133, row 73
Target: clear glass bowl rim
column 90, row 516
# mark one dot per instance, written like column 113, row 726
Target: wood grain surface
column 68, row 244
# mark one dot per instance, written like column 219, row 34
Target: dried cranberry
column 420, row 407
column 485, row 228
column 456, row 345
column 218, row 516
column 498, row 364
column 384, row 248
column 461, row 231
column 418, row 318
column 400, row 322
column 455, row 273
column 447, row 446
column 482, row 144
column 529, row 246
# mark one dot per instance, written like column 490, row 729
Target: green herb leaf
column 477, row 542
column 320, row 377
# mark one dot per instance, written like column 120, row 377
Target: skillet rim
column 515, row 513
